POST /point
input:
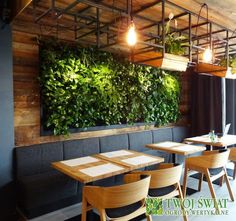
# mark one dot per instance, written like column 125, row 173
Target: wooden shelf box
column 216, row 70
column 168, row 62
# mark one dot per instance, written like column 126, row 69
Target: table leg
column 173, row 158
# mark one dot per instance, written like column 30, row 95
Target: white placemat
column 117, row 153
column 79, row 161
column 139, row 160
column 101, row 169
column 185, row 148
column 167, row 144
column 200, row 138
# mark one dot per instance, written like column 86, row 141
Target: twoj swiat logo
column 154, row 206
column 195, row 207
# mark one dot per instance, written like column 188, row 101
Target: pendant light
column 131, row 35
column 207, row 54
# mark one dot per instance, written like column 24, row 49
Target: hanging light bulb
column 207, row 55
column 131, row 35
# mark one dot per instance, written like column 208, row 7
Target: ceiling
column 221, row 12
column 104, row 22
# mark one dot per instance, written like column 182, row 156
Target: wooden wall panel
column 27, row 93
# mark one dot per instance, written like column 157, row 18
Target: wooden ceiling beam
column 147, row 6
column 72, row 5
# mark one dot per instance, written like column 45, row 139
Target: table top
column 176, row 148
column 130, row 159
column 100, row 166
column 88, row 169
column 226, row 140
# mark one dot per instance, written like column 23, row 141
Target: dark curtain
column 231, row 104
column 206, row 108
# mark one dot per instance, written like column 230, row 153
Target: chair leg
column 102, row 215
column 207, row 174
column 149, row 217
column 200, row 182
column 84, row 209
column 228, row 185
column 234, row 173
column 185, row 181
column 221, row 181
column 182, row 198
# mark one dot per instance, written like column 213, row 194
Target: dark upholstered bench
column 42, row 189
column 39, row 187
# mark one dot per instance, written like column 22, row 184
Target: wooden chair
column 165, row 182
column 117, row 203
column 212, row 165
column 232, row 157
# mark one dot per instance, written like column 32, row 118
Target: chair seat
column 161, row 191
column 215, row 171
column 123, row 211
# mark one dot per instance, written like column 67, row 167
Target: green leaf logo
column 154, row 206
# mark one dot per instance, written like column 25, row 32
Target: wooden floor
column 221, row 192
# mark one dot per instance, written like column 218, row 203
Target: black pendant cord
column 131, row 10
column 199, row 13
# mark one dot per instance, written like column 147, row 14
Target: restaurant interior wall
column 7, row 196
column 26, row 86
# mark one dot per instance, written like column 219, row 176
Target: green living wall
column 85, row 87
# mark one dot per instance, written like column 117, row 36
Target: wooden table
column 176, row 148
column 224, row 141
column 100, row 166
column 77, row 172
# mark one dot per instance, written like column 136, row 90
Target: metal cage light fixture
column 131, row 34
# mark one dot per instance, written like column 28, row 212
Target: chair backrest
column 164, row 177
column 123, row 195
column 232, row 155
column 216, row 159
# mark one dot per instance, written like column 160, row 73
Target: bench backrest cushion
column 114, row 142
column 37, row 159
column 138, row 140
column 80, row 148
column 163, row 134
column 180, row 133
